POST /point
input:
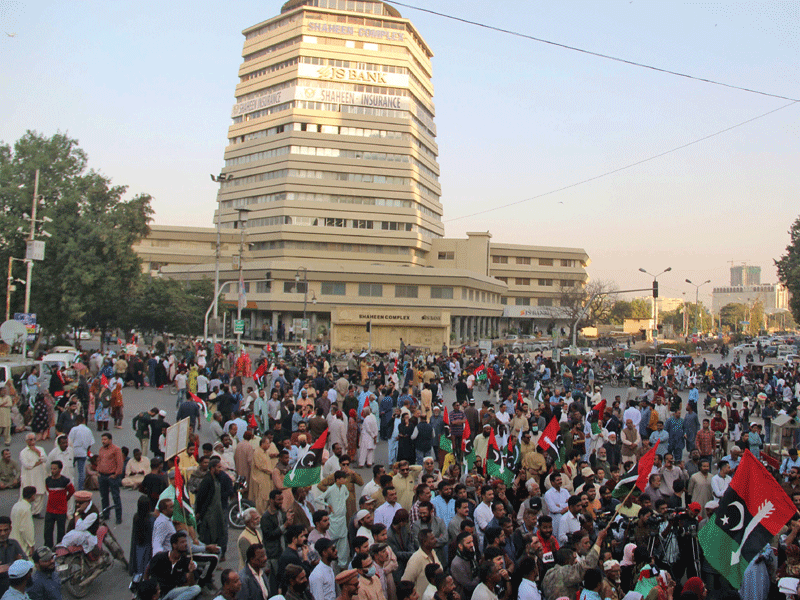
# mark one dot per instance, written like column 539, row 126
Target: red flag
column 319, row 445
column 549, row 436
column 252, row 422
column 645, row 467
column 600, row 407
column 492, row 446
column 446, row 417
column 465, row 437
column 178, row 482
column 104, row 380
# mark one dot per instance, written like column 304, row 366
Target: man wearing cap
column 364, row 521
column 322, row 578
column 45, row 583
column 19, row 574
column 348, row 584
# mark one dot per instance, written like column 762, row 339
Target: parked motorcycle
column 240, row 504
column 77, row 569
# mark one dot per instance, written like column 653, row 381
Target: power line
column 591, row 53
column 635, row 164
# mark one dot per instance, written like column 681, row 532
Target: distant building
column 664, row 304
column 744, row 275
column 773, row 296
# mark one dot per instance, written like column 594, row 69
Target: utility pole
column 655, row 301
column 242, row 220
column 697, row 287
column 221, row 178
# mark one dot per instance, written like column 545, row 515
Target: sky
column 147, row 89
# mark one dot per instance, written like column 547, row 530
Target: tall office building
column 332, row 147
column 745, row 275
column 332, row 153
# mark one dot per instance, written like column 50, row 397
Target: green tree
column 731, row 316
column 168, row 305
column 90, row 268
column 789, row 269
column 638, row 308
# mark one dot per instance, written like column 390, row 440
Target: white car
column 587, row 352
column 744, row 348
column 83, row 334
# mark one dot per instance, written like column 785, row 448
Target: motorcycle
column 241, row 504
column 77, row 569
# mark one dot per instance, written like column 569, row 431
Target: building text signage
column 389, row 35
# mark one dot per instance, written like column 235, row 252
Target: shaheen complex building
column 334, row 189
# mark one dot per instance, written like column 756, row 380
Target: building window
column 545, row 282
column 463, row 293
column 523, row 301
column 523, row 260
column 545, row 302
column 441, row 293
column 523, row 281
column 294, row 287
column 362, row 224
column 472, row 294
column 503, row 300
column 370, row 289
column 483, row 296
column 567, row 262
column 500, row 260
column 447, row 255
column 545, row 262
column 503, row 279
column 333, row 288
column 263, row 287
column 406, row 291
column 567, row 283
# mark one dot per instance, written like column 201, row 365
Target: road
column 114, row 583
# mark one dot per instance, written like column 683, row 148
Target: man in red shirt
column 704, row 441
column 720, row 427
column 59, row 491
column 110, row 466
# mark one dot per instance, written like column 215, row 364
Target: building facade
column 745, row 275
column 773, row 296
column 334, row 199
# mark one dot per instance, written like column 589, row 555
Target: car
column 587, row 352
column 791, row 359
column 745, row 348
column 83, row 334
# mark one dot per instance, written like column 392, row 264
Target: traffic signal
column 655, row 289
column 369, row 326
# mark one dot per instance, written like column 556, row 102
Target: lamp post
column 10, row 286
column 221, row 178
column 655, row 297
column 242, row 222
column 305, row 293
column 697, row 287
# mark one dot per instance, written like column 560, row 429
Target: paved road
column 114, row 583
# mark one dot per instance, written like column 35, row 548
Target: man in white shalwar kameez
column 33, row 468
column 335, row 500
column 369, row 439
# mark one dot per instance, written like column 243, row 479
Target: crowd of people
column 438, row 520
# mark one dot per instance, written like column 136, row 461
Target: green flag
column 308, row 468
column 445, row 443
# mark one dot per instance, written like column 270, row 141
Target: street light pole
column 221, row 178
column 697, row 287
column 305, row 294
column 655, row 302
column 242, row 220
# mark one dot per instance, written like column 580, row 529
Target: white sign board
column 177, row 438
column 34, row 250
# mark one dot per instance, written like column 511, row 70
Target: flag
column 307, row 469
column 495, row 465
column 104, row 380
column 753, row 509
column 596, row 424
column 203, row 405
column 638, row 476
column 550, row 439
column 178, row 482
column 445, row 443
column 480, row 373
column 467, row 449
column 242, row 295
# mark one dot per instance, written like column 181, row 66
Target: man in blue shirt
column 694, row 396
column 659, row 435
column 45, row 584
column 444, row 503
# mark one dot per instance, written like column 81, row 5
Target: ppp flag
column 203, row 405
column 308, row 468
column 753, row 509
column 467, row 449
column 549, row 439
column 445, row 443
column 495, row 465
column 638, row 476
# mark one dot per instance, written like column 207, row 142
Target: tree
column 90, row 268
column 186, row 303
column 789, row 269
column 633, row 309
column 596, row 298
column 732, row 315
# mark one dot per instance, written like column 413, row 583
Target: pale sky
column 147, row 89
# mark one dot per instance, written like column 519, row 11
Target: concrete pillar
column 312, row 333
column 482, row 332
column 459, row 330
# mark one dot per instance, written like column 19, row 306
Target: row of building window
column 333, row 175
column 526, row 260
column 274, row 48
column 270, row 69
column 529, row 301
column 330, row 247
column 272, row 27
column 526, row 281
column 330, row 153
column 335, row 222
column 328, row 198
